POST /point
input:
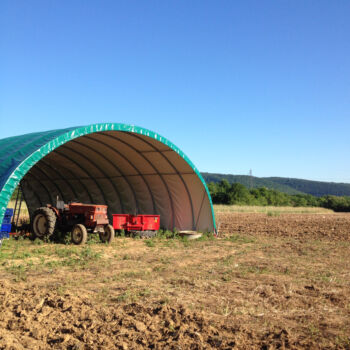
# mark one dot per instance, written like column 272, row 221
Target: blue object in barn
column 7, row 220
column 8, row 213
column 6, row 228
column 4, row 235
column 6, row 225
column 8, row 216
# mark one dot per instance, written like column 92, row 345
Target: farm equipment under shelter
column 77, row 218
column 141, row 225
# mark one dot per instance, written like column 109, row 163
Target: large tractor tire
column 107, row 236
column 79, row 234
column 43, row 222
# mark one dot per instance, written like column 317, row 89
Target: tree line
column 224, row 192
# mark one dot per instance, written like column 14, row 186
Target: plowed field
column 268, row 282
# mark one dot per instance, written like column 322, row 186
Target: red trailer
column 144, row 225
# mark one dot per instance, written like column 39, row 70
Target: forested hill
column 316, row 188
column 286, row 185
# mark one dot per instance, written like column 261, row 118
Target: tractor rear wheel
column 43, row 222
column 79, row 234
column 108, row 234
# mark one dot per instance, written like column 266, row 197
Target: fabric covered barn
column 131, row 169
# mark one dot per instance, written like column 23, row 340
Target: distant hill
column 316, row 188
column 286, row 185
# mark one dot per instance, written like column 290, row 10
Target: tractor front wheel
column 79, row 234
column 108, row 234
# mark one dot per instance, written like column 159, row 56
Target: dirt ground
column 270, row 281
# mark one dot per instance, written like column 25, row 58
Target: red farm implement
column 142, row 225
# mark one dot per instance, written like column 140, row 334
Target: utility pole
column 250, row 179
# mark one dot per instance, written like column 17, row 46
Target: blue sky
column 237, row 85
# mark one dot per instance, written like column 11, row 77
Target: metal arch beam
column 38, row 168
column 41, row 184
column 89, row 174
column 77, row 165
column 177, row 172
column 150, row 174
column 139, row 173
column 20, row 185
column 75, row 195
column 200, row 210
column 73, row 177
column 157, row 172
column 121, row 172
column 107, row 177
column 34, row 192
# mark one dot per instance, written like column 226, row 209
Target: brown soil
column 38, row 320
column 303, row 226
column 268, row 282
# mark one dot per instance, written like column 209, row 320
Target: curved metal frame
column 75, row 195
column 157, row 172
column 107, row 177
column 79, row 180
column 41, row 184
column 120, row 171
column 133, row 166
column 26, row 183
column 86, row 171
column 177, row 172
column 74, row 177
column 37, row 168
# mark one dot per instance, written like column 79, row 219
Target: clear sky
column 237, row 85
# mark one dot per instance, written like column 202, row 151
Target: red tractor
column 77, row 218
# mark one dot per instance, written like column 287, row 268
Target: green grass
column 23, row 256
column 175, row 240
column 240, row 239
column 273, row 213
column 18, row 271
column 221, row 208
column 228, row 260
column 150, row 243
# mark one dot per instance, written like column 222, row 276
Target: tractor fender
column 54, row 209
